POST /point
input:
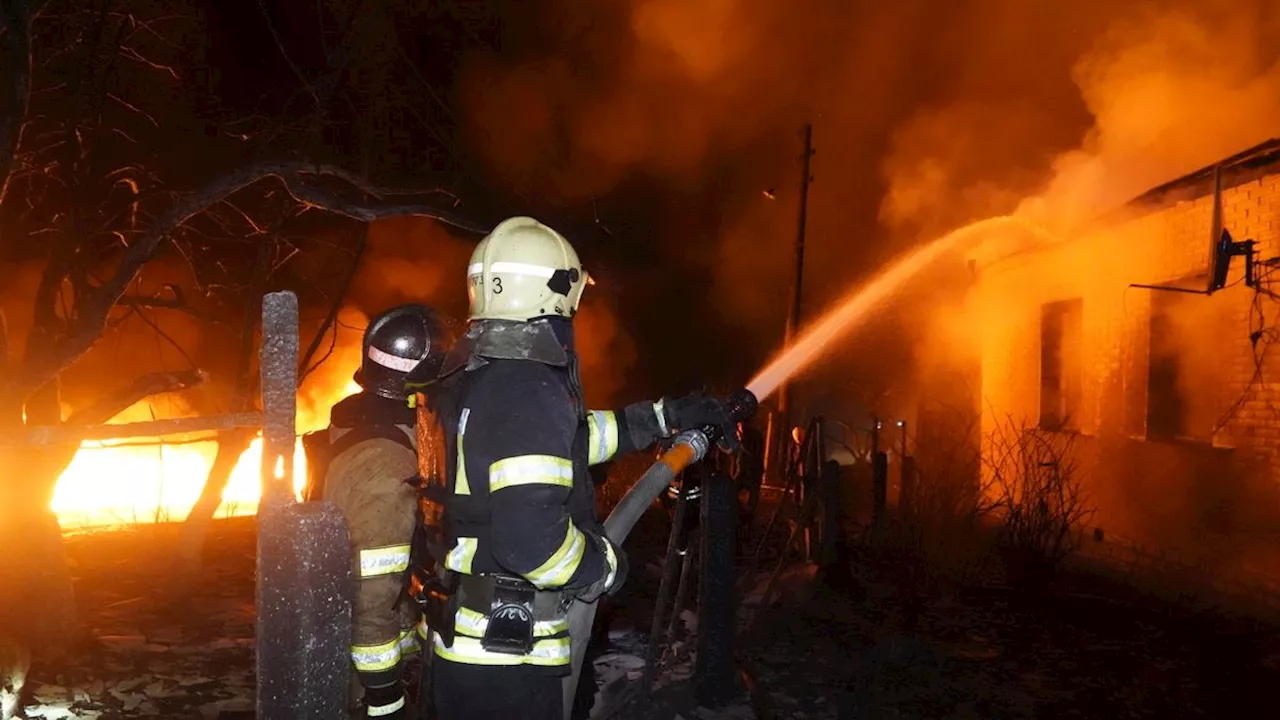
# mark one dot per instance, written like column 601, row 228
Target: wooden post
column 715, row 676
column 303, row 628
column 906, row 475
column 879, row 483
column 797, row 282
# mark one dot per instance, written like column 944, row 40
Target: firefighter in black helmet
column 522, row 537
column 366, row 460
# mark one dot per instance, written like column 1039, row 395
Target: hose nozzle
column 742, row 405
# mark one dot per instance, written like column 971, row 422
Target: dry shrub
column 938, row 537
column 1034, row 481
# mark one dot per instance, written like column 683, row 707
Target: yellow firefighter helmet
column 524, row 270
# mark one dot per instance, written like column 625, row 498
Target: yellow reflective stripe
column 460, row 485
column 602, row 436
column 383, row 656
column 409, row 642
column 375, row 658
column 610, row 557
column 530, row 470
column 384, row 560
column 381, row 710
column 461, row 556
column 473, row 623
column 558, row 568
column 550, row 652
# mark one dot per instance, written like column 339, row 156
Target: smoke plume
column 1167, row 92
column 926, row 117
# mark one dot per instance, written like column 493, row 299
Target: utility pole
column 797, row 287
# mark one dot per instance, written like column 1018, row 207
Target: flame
column 140, row 480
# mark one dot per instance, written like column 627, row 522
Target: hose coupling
column 697, row 440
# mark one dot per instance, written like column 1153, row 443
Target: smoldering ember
column 918, row 357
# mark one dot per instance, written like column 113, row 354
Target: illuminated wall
column 1183, row 453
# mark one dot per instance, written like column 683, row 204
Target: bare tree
column 91, row 192
column 939, row 537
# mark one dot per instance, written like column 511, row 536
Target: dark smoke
column 927, row 116
column 972, row 99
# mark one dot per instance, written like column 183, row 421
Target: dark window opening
column 1180, row 396
column 1061, row 364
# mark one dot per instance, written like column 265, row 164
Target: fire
column 141, row 480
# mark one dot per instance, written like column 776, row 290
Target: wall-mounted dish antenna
column 1221, row 249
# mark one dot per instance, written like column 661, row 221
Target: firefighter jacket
column 366, row 480
column 520, row 500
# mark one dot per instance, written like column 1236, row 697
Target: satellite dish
column 1223, row 251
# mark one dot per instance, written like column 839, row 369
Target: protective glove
column 616, row 574
column 698, row 410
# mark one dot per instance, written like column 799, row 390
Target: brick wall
column 1195, row 499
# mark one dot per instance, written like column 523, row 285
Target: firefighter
column 369, row 464
column 520, row 521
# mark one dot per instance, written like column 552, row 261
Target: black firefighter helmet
column 397, row 341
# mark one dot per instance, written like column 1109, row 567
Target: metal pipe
column 664, row 587
column 682, row 587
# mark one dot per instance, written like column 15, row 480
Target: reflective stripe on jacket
column 520, row 499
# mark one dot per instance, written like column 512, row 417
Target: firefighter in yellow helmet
column 522, row 537
column 363, row 463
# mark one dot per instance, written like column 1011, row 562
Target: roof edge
column 1244, row 167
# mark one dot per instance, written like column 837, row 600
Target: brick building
column 1172, row 395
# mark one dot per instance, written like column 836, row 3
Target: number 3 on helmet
column 524, row 270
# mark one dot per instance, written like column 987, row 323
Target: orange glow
column 123, row 482
column 856, row 306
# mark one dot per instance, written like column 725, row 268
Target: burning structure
column 1167, row 389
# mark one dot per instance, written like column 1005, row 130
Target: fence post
column 303, row 626
column 714, row 677
column 879, row 484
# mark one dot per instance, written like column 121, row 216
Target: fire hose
column 689, row 447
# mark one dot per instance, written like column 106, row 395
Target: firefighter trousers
column 496, row 692
column 380, row 510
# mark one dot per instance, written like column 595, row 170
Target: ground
column 1088, row 649
column 146, row 654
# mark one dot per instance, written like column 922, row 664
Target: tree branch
column 45, row 360
column 297, row 71
column 69, row 434
column 247, row 381
column 177, row 300
column 304, row 367
column 140, row 389
column 15, row 19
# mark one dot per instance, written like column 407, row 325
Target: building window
column 1181, row 374
column 1061, row 364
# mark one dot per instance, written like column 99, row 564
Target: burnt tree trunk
column 231, row 443
column 34, row 564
